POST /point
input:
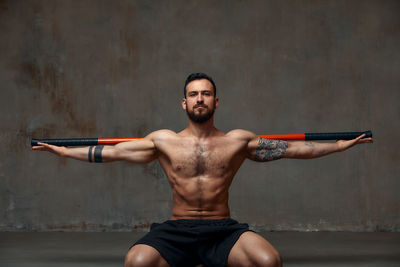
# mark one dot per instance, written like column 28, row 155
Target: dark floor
column 108, row 249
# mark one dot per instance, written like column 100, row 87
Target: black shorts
column 191, row 242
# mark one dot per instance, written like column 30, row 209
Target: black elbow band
column 97, row 154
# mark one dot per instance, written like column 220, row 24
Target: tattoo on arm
column 97, row 154
column 90, row 154
column 268, row 149
column 310, row 144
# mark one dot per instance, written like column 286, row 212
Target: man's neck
column 202, row 130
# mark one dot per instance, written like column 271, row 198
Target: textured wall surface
column 117, row 68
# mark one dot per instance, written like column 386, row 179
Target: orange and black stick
column 112, row 141
column 319, row 136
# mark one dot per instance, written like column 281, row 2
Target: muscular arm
column 137, row 151
column 308, row 150
column 260, row 149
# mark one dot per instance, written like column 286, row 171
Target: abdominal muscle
column 200, row 197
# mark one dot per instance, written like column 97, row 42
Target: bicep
column 261, row 149
column 137, row 151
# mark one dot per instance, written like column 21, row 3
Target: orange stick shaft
column 283, row 136
column 112, row 141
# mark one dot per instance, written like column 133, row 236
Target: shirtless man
column 200, row 163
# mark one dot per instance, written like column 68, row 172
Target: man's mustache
column 200, row 105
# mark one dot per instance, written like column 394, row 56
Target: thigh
column 144, row 255
column 252, row 249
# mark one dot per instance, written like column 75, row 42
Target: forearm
column 79, row 153
column 309, row 150
column 97, row 154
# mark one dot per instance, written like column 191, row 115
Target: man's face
column 200, row 101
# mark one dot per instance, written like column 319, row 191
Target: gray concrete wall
column 116, row 69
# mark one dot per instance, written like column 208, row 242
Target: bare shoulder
column 161, row 135
column 241, row 134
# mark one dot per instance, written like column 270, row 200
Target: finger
column 357, row 140
column 48, row 146
column 352, row 140
column 360, row 137
column 365, row 140
column 38, row 148
column 43, row 144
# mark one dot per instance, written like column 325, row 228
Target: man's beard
column 201, row 117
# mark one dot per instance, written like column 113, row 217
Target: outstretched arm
column 308, row 150
column 137, row 151
column 266, row 149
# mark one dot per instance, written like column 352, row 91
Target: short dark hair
column 198, row 76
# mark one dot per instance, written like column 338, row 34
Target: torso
column 200, row 171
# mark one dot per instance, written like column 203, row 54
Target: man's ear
column 184, row 103
column 216, row 102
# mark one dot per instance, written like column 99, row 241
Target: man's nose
column 200, row 98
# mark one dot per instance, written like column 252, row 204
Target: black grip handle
column 336, row 136
column 67, row 142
